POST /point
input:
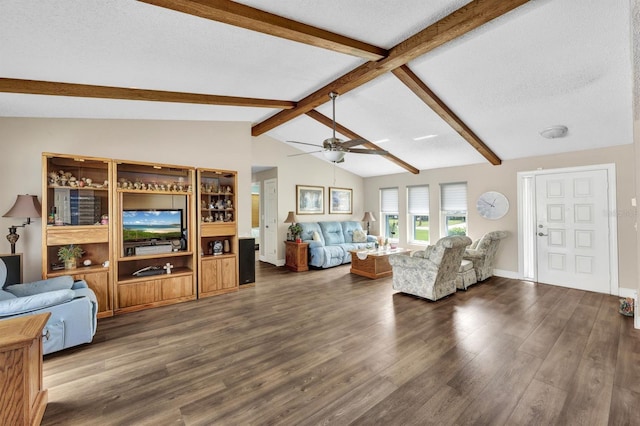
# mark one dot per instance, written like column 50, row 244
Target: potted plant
column 69, row 255
column 295, row 231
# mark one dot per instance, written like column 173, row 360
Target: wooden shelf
column 93, row 269
column 155, row 256
column 175, row 272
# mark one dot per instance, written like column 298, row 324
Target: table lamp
column 291, row 218
column 25, row 206
column 368, row 217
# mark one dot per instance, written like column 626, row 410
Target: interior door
column 573, row 230
column 270, row 221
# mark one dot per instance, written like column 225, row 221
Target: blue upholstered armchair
column 73, row 307
column 430, row 273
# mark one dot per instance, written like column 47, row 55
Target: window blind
column 454, row 197
column 389, row 200
column 418, row 200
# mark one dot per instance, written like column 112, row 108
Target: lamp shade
column 291, row 218
column 368, row 217
column 334, row 156
column 25, row 206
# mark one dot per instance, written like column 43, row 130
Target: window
column 389, row 212
column 453, row 203
column 418, row 213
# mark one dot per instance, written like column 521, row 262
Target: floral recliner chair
column 483, row 252
column 430, row 273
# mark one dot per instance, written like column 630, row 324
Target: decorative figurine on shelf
column 217, row 248
column 168, row 266
column 229, row 204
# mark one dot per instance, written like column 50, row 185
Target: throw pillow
column 359, row 236
column 316, row 236
column 58, row 283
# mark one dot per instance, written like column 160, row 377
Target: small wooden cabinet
column 218, row 275
column 296, row 255
column 23, row 399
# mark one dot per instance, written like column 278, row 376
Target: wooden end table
column 296, row 255
column 376, row 265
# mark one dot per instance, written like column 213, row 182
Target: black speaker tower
column 247, row 260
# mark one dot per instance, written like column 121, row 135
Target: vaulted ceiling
column 436, row 84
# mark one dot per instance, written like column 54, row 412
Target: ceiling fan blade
column 305, row 153
column 305, row 143
column 352, row 142
column 367, row 151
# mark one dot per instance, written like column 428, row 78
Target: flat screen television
column 143, row 225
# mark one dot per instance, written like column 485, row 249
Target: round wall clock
column 492, row 205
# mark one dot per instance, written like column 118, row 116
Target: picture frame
column 340, row 200
column 309, row 199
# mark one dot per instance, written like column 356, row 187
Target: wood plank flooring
column 328, row 347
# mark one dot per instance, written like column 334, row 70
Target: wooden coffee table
column 376, row 265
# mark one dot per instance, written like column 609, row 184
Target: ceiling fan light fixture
column 554, row 132
column 334, row 156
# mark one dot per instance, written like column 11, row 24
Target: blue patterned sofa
column 330, row 242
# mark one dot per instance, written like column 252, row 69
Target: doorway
column 568, row 237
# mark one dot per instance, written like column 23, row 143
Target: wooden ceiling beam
column 239, row 15
column 460, row 22
column 353, row 135
column 418, row 87
column 36, row 87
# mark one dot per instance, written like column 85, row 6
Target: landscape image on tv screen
column 144, row 225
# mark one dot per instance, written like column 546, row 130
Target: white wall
column 223, row 145
column 485, row 177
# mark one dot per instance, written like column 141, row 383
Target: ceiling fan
column 334, row 148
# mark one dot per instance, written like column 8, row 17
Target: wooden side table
column 296, row 255
column 22, row 397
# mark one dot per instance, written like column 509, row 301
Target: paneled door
column 270, row 221
column 573, row 230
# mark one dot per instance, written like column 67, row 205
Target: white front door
column 573, row 245
column 270, row 221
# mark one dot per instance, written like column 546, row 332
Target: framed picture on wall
column 309, row 199
column 340, row 200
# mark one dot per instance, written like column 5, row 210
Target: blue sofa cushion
column 332, row 233
column 347, row 229
column 58, row 283
column 5, row 295
column 21, row 305
column 308, row 228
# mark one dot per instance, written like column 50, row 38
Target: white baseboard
column 506, row 274
column 279, row 262
column 626, row 292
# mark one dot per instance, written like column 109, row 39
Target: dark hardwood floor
column 328, row 347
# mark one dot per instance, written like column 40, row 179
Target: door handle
column 540, row 234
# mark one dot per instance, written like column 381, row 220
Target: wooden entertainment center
column 152, row 234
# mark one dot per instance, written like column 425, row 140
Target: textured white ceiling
column 548, row 62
